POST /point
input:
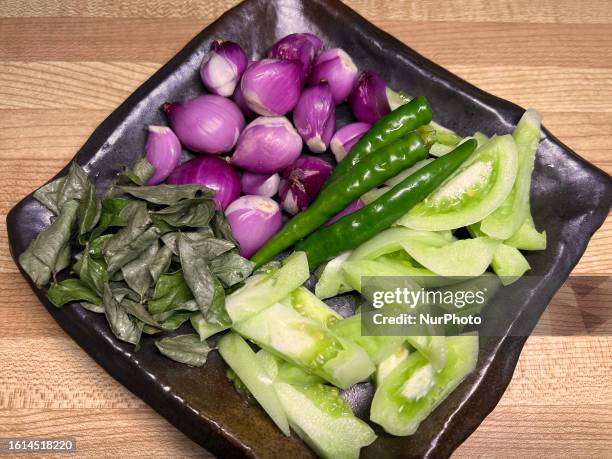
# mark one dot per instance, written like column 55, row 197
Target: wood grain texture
column 66, row 64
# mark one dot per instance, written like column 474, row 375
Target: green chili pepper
column 370, row 172
column 391, row 127
column 356, row 228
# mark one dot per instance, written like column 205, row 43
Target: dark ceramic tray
column 570, row 199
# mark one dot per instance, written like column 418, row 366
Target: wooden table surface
column 66, row 64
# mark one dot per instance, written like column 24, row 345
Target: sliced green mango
column 377, row 347
column 433, row 348
column 324, row 421
column 390, row 241
column 508, row 217
column 481, row 138
column 305, row 342
column 331, row 280
column 473, row 192
column 203, row 328
column 355, row 270
column 509, row 264
column 242, row 360
column 262, row 290
column 386, row 367
column 307, row 304
column 270, row 363
column 401, row 403
column 527, row 237
column 466, row 257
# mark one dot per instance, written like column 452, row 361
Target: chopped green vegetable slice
column 433, row 348
column 261, row 290
column 331, row 280
column 306, row 343
column 466, row 257
column 324, row 420
column 308, row 305
column 241, row 358
column 509, row 216
column 527, row 236
column 384, row 368
column 479, row 187
column 509, row 264
column 412, row 391
column 205, row 329
column 391, row 240
column 377, row 347
column 408, row 172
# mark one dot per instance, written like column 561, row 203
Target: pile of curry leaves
column 147, row 257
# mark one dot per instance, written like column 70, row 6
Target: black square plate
column 570, row 199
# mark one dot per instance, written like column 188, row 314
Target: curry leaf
column 136, row 273
column 171, row 241
column 121, row 324
column 111, row 209
column 171, row 291
column 167, row 194
column 221, row 228
column 142, row 171
column 73, row 186
column 185, row 349
column 95, row 246
column 88, row 212
column 63, row 258
column 55, row 194
column 97, row 308
column 190, row 305
column 149, row 330
column 208, row 247
column 163, row 226
column 231, row 268
column 71, row 290
column 92, row 272
column 216, row 313
column 117, row 276
column 129, row 242
column 196, row 213
column 40, row 259
column 137, row 310
column 47, row 194
column 121, row 291
column 160, row 263
column 172, row 320
column 204, row 286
